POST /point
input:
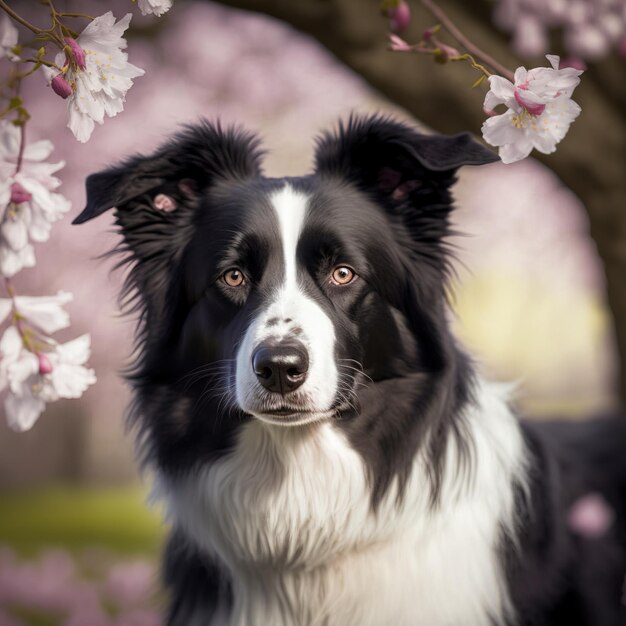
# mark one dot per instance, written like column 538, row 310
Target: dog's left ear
column 393, row 160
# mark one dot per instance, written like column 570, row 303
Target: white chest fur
column 288, row 514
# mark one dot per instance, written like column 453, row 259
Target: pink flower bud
column 60, row 86
column 398, row 44
column 19, row 194
column 45, row 367
column 399, row 17
column 77, row 52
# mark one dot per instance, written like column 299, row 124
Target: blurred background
column 531, row 299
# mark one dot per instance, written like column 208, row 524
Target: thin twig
column 451, row 27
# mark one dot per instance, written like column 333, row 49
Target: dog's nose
column 281, row 368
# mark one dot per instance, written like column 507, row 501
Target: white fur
column 318, row 392
column 288, row 514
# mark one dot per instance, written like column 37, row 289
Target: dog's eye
column 342, row 275
column 233, row 277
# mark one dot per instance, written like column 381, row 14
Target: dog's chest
column 288, row 515
column 282, row 499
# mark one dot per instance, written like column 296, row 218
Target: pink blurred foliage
column 591, row 516
column 590, row 28
column 536, row 226
column 53, row 584
column 129, row 585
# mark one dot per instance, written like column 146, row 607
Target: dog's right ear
column 181, row 169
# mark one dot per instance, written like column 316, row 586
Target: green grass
column 116, row 519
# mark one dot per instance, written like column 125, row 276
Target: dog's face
column 282, row 300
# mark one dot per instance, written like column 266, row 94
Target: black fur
column 379, row 199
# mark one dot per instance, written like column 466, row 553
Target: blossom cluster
column 590, row 27
column 92, row 73
column 539, row 110
column 96, row 74
column 539, row 101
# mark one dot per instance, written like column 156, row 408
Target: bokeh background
column 78, row 544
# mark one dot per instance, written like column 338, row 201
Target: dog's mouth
column 291, row 416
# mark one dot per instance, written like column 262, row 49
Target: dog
column 327, row 452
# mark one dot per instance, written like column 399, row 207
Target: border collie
column 326, row 450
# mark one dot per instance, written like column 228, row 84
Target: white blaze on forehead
column 290, row 207
column 291, row 311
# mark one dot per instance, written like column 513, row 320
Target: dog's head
column 283, row 300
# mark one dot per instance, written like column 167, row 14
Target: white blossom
column 540, row 110
column 154, row 7
column 8, row 38
column 28, row 204
column 99, row 87
column 30, row 386
column 46, row 313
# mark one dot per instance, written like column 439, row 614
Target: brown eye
column 342, row 275
column 233, row 277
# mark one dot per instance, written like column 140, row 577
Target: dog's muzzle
column 281, row 368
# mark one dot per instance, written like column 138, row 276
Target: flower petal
column 45, row 312
column 22, row 411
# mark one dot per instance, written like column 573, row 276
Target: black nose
column 281, row 368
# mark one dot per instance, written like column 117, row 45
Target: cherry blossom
column 28, row 204
column 46, row 313
column 540, row 110
column 154, row 7
column 98, row 72
column 30, row 385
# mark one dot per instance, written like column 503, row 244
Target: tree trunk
column 591, row 160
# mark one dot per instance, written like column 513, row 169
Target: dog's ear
column 195, row 159
column 156, row 200
column 407, row 173
column 392, row 160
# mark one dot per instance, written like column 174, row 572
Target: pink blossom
column 539, row 110
column 101, row 75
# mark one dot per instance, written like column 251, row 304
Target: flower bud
column 60, row 86
column 19, row 194
column 77, row 52
column 45, row 367
column 398, row 44
column 399, row 17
